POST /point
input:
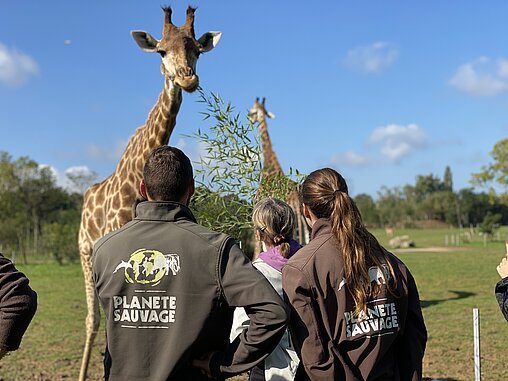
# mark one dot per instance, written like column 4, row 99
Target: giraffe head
column 258, row 112
column 178, row 48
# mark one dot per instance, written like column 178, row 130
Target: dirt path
column 431, row 249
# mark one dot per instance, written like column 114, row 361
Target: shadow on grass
column 458, row 295
column 439, row 379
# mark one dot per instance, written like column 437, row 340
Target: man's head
column 167, row 176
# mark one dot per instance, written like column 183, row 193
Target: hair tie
column 280, row 239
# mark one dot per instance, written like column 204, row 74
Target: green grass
column 52, row 346
column 451, row 284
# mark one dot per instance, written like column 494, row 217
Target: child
column 274, row 224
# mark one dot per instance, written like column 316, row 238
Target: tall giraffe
column 272, row 167
column 108, row 205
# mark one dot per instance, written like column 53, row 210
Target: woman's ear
column 305, row 210
column 309, row 217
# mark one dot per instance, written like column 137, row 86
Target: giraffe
column 108, row 205
column 272, row 167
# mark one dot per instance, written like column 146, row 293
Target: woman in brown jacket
column 356, row 312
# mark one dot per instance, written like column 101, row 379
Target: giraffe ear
column 209, row 40
column 145, row 40
column 271, row 115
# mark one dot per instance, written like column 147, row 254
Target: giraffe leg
column 93, row 316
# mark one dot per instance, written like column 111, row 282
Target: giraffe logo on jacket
column 146, row 266
column 380, row 275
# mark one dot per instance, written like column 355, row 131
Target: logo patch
column 147, row 266
column 379, row 275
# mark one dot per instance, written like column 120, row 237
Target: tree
column 229, row 174
column 31, row 201
column 496, row 172
column 448, row 179
column 368, row 210
column 490, row 223
column 426, row 185
column 390, row 206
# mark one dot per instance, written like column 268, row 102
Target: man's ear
column 190, row 192
column 192, row 189
column 142, row 189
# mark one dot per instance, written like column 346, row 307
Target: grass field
column 451, row 280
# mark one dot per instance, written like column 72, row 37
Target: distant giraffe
column 272, row 167
column 108, row 205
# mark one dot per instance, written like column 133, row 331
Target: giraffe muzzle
column 187, row 83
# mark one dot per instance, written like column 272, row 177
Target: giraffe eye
column 162, row 53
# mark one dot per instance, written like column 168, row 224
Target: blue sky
column 381, row 91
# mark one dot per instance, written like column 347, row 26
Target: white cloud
column 502, row 68
column 372, row 58
column 350, row 158
column 16, row 67
column 101, row 153
column 62, row 179
column 78, row 178
column 398, row 141
column 481, row 77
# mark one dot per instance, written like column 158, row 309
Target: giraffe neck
column 156, row 132
column 271, row 163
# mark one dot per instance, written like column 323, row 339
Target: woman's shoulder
column 311, row 253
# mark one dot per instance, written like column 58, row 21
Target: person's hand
column 203, row 363
column 502, row 268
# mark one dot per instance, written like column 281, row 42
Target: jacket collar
column 163, row 211
column 320, row 227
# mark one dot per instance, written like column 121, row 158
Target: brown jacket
column 387, row 343
column 18, row 303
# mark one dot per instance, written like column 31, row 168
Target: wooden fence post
column 476, row 335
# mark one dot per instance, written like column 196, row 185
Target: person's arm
column 303, row 325
column 18, row 303
column 502, row 296
column 502, row 285
column 414, row 337
column 241, row 320
column 244, row 286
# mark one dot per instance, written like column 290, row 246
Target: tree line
column 40, row 219
column 432, row 199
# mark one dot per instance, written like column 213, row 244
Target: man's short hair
column 167, row 174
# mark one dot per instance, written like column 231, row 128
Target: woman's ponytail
column 325, row 193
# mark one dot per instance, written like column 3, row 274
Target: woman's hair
column 275, row 221
column 325, row 193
